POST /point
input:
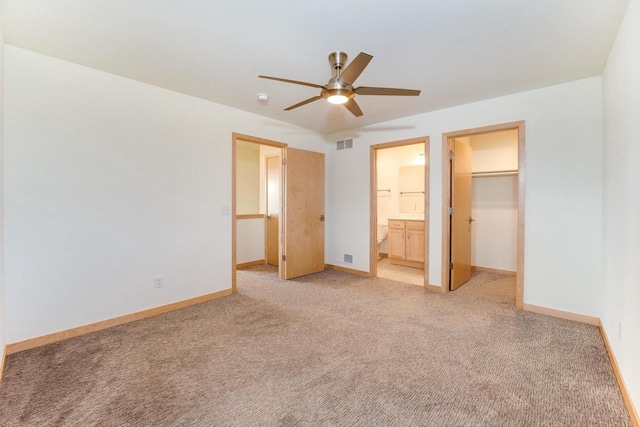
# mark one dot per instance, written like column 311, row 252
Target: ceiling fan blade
column 300, row 104
column 292, row 81
column 363, row 90
column 355, row 68
column 353, row 106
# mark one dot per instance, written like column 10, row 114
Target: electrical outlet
column 157, row 282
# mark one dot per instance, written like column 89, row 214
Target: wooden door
column 272, row 210
column 461, row 218
column 304, row 213
column 415, row 241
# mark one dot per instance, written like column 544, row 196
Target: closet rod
column 412, row 192
column 386, row 189
column 495, row 173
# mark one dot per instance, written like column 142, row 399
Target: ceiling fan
column 340, row 88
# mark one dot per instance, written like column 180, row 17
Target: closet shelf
column 494, row 173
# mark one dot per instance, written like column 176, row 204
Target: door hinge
column 450, row 211
column 284, row 257
column 321, row 217
column 284, row 161
column 451, row 155
column 450, row 266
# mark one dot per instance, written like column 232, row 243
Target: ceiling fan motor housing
column 338, row 60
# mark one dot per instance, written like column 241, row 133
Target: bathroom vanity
column 406, row 242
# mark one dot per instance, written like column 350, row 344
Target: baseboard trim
column 346, row 270
column 383, row 255
column 436, row 288
column 493, row 270
column 245, row 265
column 562, row 314
column 635, row 420
column 105, row 324
column 4, row 359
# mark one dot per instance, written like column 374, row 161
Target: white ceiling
column 455, row 51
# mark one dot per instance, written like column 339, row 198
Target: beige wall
column 247, row 178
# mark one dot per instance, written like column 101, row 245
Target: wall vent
column 342, row 257
column 345, row 144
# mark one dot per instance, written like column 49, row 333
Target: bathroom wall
column 389, row 162
column 494, row 204
column 247, row 178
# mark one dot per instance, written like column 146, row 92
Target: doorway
column 472, row 239
column 276, row 220
column 399, row 214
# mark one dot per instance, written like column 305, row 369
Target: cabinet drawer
column 396, row 224
column 415, row 225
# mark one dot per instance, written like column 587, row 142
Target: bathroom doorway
column 400, row 211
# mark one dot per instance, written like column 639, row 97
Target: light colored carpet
column 330, row 349
column 400, row 273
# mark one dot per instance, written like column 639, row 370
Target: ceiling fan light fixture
column 337, row 99
column 337, row 95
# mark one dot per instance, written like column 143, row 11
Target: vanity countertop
column 405, row 218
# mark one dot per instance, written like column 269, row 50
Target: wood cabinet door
column 396, row 243
column 415, row 245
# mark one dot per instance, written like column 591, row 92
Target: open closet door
column 303, row 213
column 461, row 218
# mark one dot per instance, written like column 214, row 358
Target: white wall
column 563, row 190
column 249, row 240
column 2, row 285
column 247, row 178
column 110, row 182
column 494, row 204
column 494, row 233
column 265, row 150
column 621, row 205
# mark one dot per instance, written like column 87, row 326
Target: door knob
column 471, row 220
column 268, row 216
